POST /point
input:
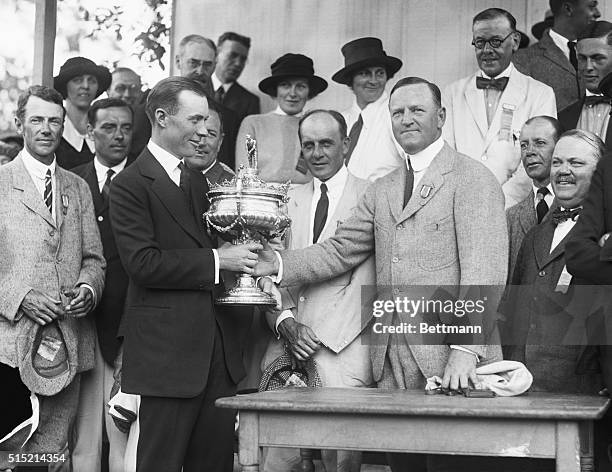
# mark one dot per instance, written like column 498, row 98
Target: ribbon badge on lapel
column 65, row 201
column 426, row 190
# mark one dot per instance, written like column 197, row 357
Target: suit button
column 396, row 291
column 400, row 226
column 100, row 218
column 58, row 260
column 302, row 299
column 542, row 273
column 51, row 232
column 484, row 158
column 395, row 259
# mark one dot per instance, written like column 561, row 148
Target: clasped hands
column 249, row 258
column 43, row 309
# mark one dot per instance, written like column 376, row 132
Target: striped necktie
column 48, row 195
column 107, row 183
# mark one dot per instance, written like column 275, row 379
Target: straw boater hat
column 365, row 52
column 76, row 66
column 291, row 66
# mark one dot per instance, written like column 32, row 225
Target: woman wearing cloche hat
column 367, row 68
column 79, row 81
column 292, row 83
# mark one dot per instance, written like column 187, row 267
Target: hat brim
column 390, row 63
column 101, row 73
column 316, row 84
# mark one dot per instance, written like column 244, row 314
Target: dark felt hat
column 292, row 65
column 365, row 52
column 538, row 29
column 76, row 66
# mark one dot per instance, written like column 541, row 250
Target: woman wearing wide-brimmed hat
column 79, row 81
column 292, row 83
column 367, row 68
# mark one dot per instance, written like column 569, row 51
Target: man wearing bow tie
column 592, row 112
column 486, row 110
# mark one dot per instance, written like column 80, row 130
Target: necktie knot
column 495, row 84
column 543, row 191
column 560, row 215
column 571, row 45
column 110, row 173
column 220, row 94
column 323, row 187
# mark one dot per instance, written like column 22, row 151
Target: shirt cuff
column 216, row 256
column 282, row 317
column 465, row 349
column 93, row 293
column 279, row 274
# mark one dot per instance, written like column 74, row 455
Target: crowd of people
column 108, row 328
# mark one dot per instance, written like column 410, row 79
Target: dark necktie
column 497, row 84
column 185, row 184
column 220, row 94
column 572, row 54
column 320, row 214
column 559, row 215
column 592, row 100
column 542, row 206
column 107, row 183
column 409, row 183
column 354, row 135
column 48, row 195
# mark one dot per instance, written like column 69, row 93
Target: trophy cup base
column 246, row 293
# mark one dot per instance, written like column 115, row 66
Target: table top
column 417, row 403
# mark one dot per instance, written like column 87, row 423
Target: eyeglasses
column 493, row 42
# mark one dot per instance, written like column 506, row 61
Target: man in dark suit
column 538, row 138
column 592, row 112
column 180, row 352
column 232, row 54
column 552, row 60
column 111, row 128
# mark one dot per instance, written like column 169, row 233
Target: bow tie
column 559, row 215
column 497, row 84
column 593, row 100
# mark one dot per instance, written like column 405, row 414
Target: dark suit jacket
column 545, row 62
column 241, row 101
column 570, row 116
column 109, row 310
column 231, row 125
column 69, row 157
column 218, row 173
column 169, row 320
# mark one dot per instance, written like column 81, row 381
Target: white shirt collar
column 422, row 159
column 167, row 160
column 334, row 184
column 35, row 168
column 216, row 82
column 371, row 108
column 505, row 73
column 279, row 111
column 101, row 169
column 74, row 138
column 591, row 94
column 560, row 41
column 209, row 167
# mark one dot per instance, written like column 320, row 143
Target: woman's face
column 82, row 90
column 292, row 95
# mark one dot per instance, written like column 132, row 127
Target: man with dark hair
column 111, row 129
column 592, row 112
column 553, row 59
column 181, row 352
column 538, row 138
column 332, row 338
column 51, row 276
column 425, row 226
column 487, row 109
column 232, row 54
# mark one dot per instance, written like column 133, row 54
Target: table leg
column 587, row 456
column 568, row 447
column 307, row 464
column 248, row 439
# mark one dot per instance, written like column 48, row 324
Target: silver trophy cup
column 248, row 210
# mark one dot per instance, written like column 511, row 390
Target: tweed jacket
column 241, row 101
column 520, row 218
column 331, row 308
column 467, row 131
column 39, row 253
column 447, row 235
column 544, row 61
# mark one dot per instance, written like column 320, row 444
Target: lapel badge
column 65, row 202
column 426, row 190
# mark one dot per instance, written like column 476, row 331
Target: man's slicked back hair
column 165, row 95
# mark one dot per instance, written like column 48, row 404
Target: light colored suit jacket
column 521, row 218
column 332, row 308
column 39, row 253
column 466, row 127
column 455, row 234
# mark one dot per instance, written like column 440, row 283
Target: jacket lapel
column 527, row 215
column 30, row 196
column 554, row 54
column 300, row 227
column 63, row 195
column 169, row 194
column 476, row 103
column 91, row 178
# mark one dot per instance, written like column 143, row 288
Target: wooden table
column 553, row 426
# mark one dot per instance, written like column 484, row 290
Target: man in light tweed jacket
column 51, row 270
